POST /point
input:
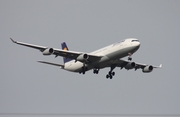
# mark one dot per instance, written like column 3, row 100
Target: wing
column 59, row 52
column 132, row 65
column 41, row 48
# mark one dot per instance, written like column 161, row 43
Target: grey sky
column 29, row 87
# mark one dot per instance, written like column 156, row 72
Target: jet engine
column 147, row 69
column 130, row 65
column 48, row 51
column 82, row 57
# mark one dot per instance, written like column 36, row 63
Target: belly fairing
column 73, row 66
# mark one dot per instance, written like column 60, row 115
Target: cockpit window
column 135, row 40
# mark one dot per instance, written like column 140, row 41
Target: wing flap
column 94, row 57
column 74, row 55
column 67, row 54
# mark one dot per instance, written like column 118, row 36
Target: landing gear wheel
column 113, row 73
column 110, row 73
column 110, row 76
column 96, row 71
column 84, row 69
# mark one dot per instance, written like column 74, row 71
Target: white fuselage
column 110, row 54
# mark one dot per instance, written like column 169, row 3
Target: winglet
column 13, row 40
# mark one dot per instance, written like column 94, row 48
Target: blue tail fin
column 64, row 47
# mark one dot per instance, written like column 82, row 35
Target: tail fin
column 64, row 47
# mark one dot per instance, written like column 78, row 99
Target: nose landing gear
column 129, row 58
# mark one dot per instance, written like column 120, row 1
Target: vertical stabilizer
column 64, row 47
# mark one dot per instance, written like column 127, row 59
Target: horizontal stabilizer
column 55, row 64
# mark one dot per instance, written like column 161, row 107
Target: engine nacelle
column 82, row 57
column 147, row 69
column 130, row 65
column 48, row 51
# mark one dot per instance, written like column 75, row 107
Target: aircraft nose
column 138, row 44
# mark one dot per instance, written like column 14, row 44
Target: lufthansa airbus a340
column 109, row 56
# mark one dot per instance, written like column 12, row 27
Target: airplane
column 109, row 56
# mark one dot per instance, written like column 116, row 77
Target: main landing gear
column 83, row 71
column 111, row 73
column 96, row 71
